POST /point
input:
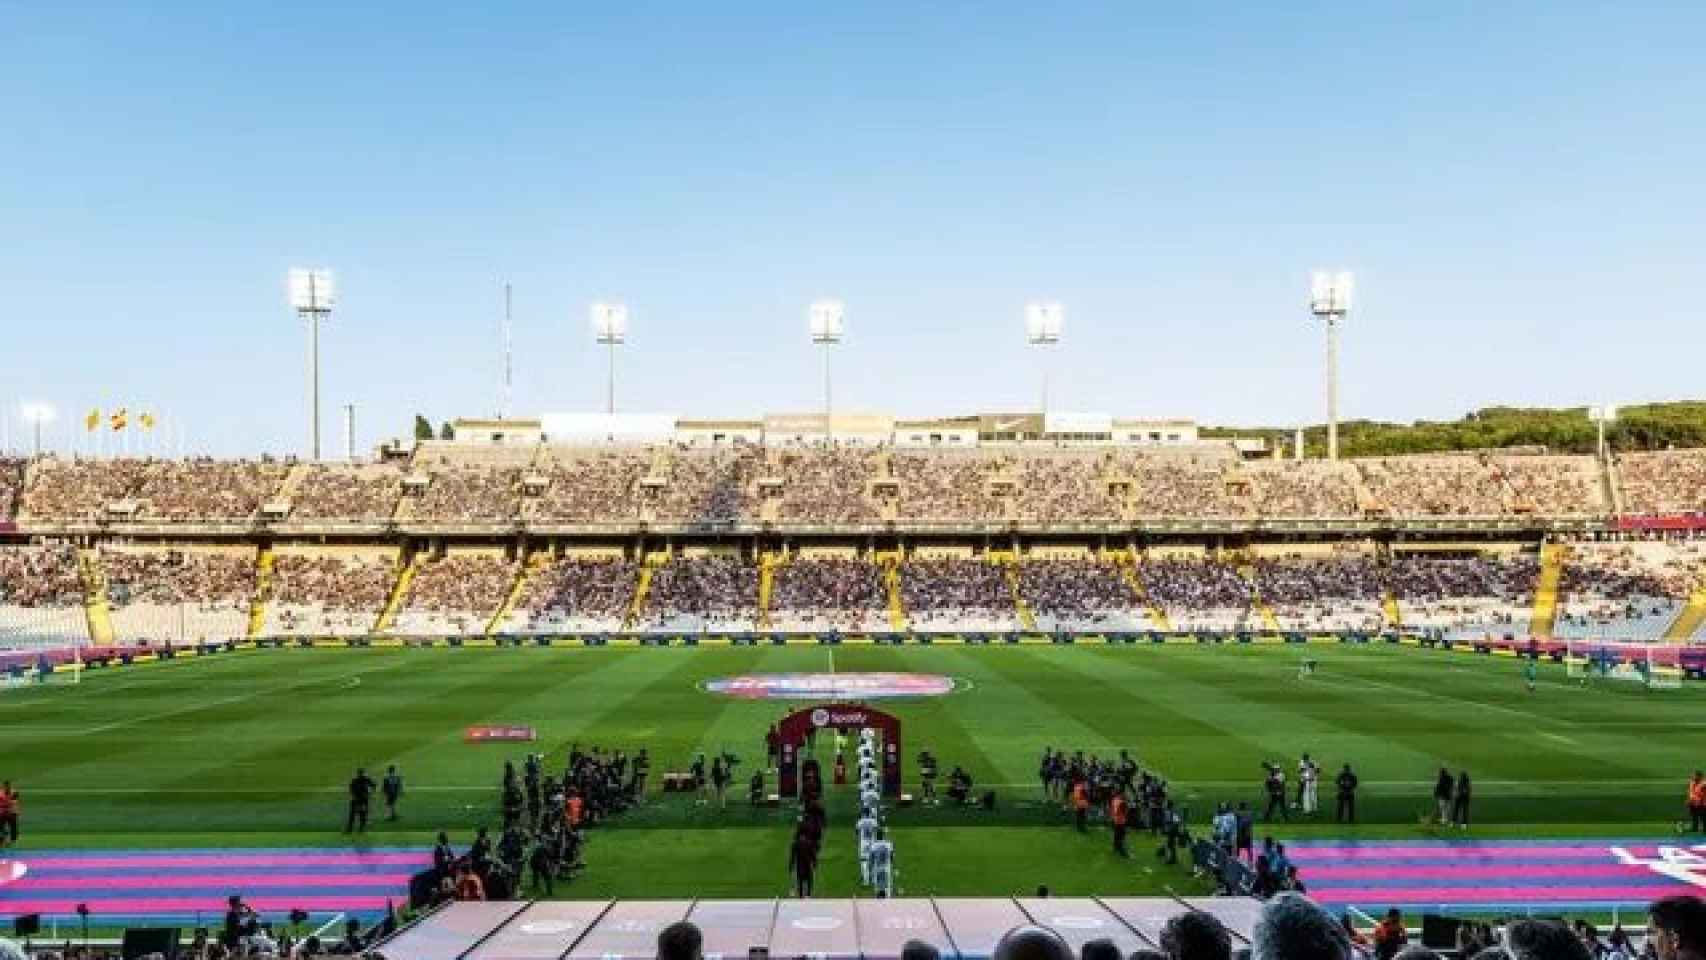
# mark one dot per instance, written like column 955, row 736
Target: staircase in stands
column 264, row 561
column 643, row 587
column 890, row 561
column 1247, row 569
column 1544, row 617
column 95, row 609
column 1127, row 562
column 1688, row 621
column 1009, row 564
column 523, row 571
column 768, row 562
column 407, row 567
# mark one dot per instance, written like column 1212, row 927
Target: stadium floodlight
column 37, row 414
column 827, row 320
column 610, row 328
column 312, row 295
column 1602, row 415
column 1042, row 330
column 1330, row 300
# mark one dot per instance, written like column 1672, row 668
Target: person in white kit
column 1309, row 779
column 868, row 829
column 881, row 867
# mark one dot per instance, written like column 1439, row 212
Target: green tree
column 445, row 432
column 423, row 428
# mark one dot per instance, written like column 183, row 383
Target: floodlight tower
column 610, row 327
column 1042, row 330
column 1330, row 300
column 37, row 414
column 312, row 295
column 827, row 319
column 1602, row 415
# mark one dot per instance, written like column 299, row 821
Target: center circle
column 821, row 686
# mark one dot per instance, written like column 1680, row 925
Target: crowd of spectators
column 349, row 493
column 1172, row 485
column 455, row 594
column 828, row 486
column 1079, row 593
column 819, row 593
column 1553, row 486
column 599, row 486
column 1303, row 488
column 714, row 487
column 1450, row 485
column 333, row 594
column 1196, row 591
column 63, row 489
column 173, row 577
column 1663, row 481
column 709, row 592
column 11, row 486
column 1464, row 592
column 175, row 491
column 961, row 592
column 1630, row 589
column 1065, row 488
column 1341, row 592
column 44, row 576
column 577, row 593
column 471, row 493
column 956, row 487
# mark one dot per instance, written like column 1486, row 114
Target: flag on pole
column 92, row 422
column 120, row 419
column 147, row 421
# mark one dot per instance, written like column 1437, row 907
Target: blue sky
column 1521, row 189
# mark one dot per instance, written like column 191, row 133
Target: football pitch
column 253, row 749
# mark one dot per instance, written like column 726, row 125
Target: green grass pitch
column 253, row 749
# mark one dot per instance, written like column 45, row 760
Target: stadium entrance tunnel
column 798, row 732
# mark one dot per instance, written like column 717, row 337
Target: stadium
column 852, row 482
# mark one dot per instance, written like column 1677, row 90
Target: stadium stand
column 1065, row 488
column 828, row 486
column 1080, row 593
column 178, row 595
column 1197, row 592
column 961, row 593
column 590, row 486
column 1308, row 488
column 575, row 594
column 41, row 596
column 702, row 593
column 1627, row 590
column 11, row 486
column 455, row 595
column 956, row 487
column 1334, row 593
column 1457, row 485
column 710, row 487
column 1666, row 481
column 329, row 592
column 1196, row 486
column 347, row 493
column 828, row 593
column 1465, row 595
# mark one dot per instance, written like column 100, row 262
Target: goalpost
column 32, row 665
column 1657, row 666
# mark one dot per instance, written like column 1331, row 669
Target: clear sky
column 1521, row 188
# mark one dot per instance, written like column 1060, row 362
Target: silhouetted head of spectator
column 1416, row 951
column 1679, row 927
column 1195, row 935
column 680, row 941
column 1032, row 943
column 1544, row 940
column 918, row 950
column 1292, row 927
column 1147, row 954
column 1100, row 949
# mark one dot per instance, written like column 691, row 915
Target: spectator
column 681, row 941
column 1100, row 949
column 1678, row 928
column 919, row 950
column 1032, row 943
column 1390, row 935
column 1292, row 927
column 1195, row 935
column 1543, row 940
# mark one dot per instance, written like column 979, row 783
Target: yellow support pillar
column 767, row 566
column 263, row 592
column 1127, row 563
column 399, row 593
column 891, row 583
column 1009, row 564
column 1545, row 615
column 643, row 587
column 1389, row 603
column 523, row 571
column 1690, row 619
column 95, row 610
column 1271, row 622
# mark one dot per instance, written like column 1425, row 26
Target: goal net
column 1656, row 665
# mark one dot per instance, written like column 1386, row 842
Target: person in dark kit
column 1442, row 796
column 360, row 798
column 392, row 790
column 443, row 855
column 1118, row 810
column 720, row 777
column 543, row 867
column 755, row 789
column 239, row 920
column 1275, row 786
column 840, row 770
column 642, row 769
column 1347, row 784
column 1245, row 842
column 1460, row 802
column 773, row 745
column 802, row 863
column 1177, row 836
column 927, row 774
column 700, row 780
column 480, row 854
